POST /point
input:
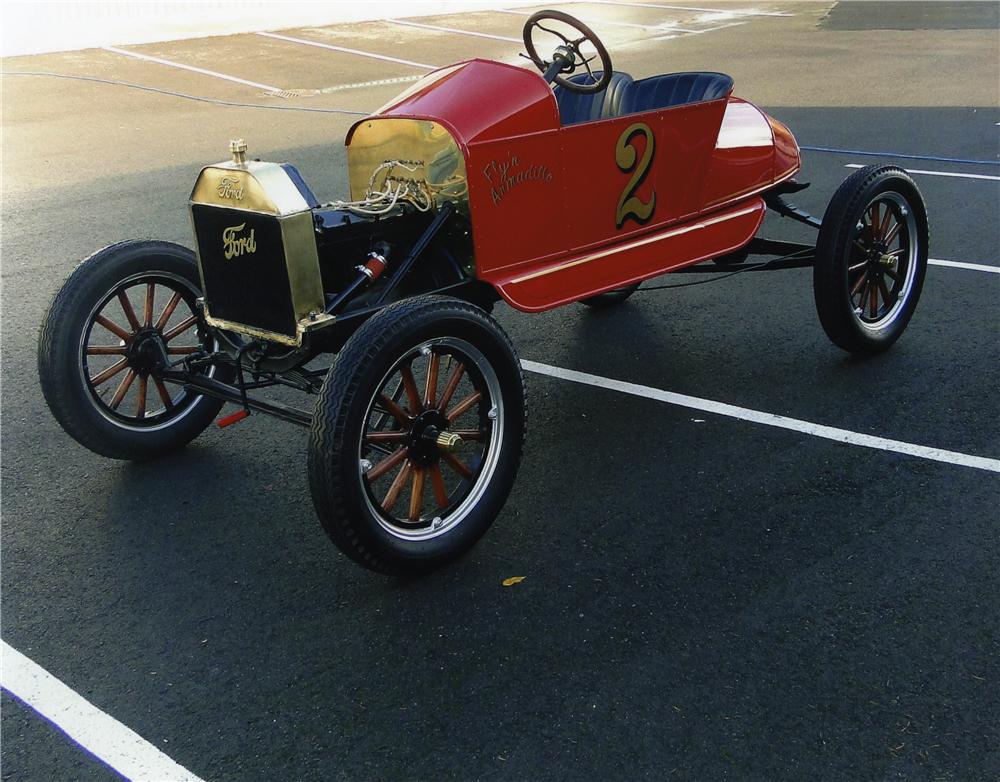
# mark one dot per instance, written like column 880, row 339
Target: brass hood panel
column 259, row 187
column 422, row 144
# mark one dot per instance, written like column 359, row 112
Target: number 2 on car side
column 630, row 205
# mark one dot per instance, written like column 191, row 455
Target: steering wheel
column 567, row 57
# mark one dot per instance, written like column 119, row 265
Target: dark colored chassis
column 427, row 253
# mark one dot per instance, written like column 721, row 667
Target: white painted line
column 108, row 740
column 658, row 28
column 721, row 27
column 368, row 84
column 768, row 419
column 345, row 50
column 455, row 30
column 719, row 11
column 976, row 267
column 937, row 173
column 136, row 55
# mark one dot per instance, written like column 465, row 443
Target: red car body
column 550, row 203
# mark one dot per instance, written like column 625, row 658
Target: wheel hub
column 425, row 434
column 145, row 351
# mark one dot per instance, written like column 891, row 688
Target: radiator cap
column 238, row 147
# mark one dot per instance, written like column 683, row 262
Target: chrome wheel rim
column 117, row 346
column 882, row 261
column 431, row 439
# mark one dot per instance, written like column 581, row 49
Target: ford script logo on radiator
column 235, row 245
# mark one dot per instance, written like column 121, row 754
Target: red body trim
column 546, row 201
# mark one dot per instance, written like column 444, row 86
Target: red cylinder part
column 376, row 265
column 228, row 420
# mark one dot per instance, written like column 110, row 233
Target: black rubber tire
column 59, row 355
column 337, row 492
column 830, row 273
column 611, row 298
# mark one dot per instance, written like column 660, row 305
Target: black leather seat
column 577, row 107
column 675, row 89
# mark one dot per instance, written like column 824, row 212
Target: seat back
column 675, row 89
column 577, row 107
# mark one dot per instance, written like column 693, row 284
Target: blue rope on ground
column 901, row 156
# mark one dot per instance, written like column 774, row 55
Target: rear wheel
column 103, row 340
column 417, row 435
column 611, row 298
column 871, row 259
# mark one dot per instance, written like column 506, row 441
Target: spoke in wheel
column 892, row 234
column 452, row 385
column 464, row 405
column 385, row 465
column 857, row 286
column 123, row 388
column 412, row 395
column 437, row 482
column 469, row 434
column 392, row 496
column 891, row 274
column 161, row 389
column 394, row 410
column 873, row 298
column 873, row 220
column 386, row 437
column 168, row 311
column 126, row 306
column 383, row 417
column 109, row 373
column 883, row 289
column 885, row 222
column 105, row 350
column 430, row 389
column 113, row 327
column 863, row 297
column 417, row 494
column 180, row 328
column 457, row 465
column 150, row 296
column 140, row 405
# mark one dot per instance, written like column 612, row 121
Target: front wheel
column 871, row 259
column 417, row 435
column 121, row 314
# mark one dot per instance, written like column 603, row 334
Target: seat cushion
column 675, row 89
column 582, row 107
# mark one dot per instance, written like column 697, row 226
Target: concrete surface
column 704, row 598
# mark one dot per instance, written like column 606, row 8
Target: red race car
column 482, row 181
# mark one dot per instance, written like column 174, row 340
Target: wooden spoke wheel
column 432, row 432
column 143, row 323
column 417, row 434
column 871, row 259
column 881, row 265
column 123, row 315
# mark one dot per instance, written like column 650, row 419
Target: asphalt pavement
column 704, row 598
